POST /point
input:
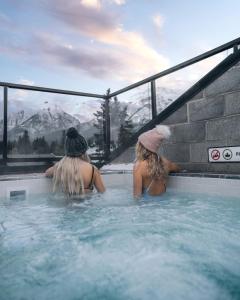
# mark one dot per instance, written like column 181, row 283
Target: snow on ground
column 118, row 167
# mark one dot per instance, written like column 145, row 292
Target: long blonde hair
column 155, row 166
column 67, row 175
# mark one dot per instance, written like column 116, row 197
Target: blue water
column 179, row 246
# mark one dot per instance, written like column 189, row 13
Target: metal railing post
column 153, row 99
column 5, row 123
column 107, row 129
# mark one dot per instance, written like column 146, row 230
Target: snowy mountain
column 49, row 120
column 16, row 119
column 85, row 117
column 41, row 123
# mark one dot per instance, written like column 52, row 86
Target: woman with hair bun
column 74, row 174
column 150, row 169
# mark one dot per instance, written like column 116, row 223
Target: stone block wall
column 210, row 119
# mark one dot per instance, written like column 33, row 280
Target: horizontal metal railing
column 49, row 90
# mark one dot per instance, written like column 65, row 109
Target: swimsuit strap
column 90, row 186
column 165, row 187
column 148, row 188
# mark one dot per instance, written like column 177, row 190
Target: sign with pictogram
column 215, row 154
column 224, row 154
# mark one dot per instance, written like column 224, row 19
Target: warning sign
column 215, row 154
column 224, row 154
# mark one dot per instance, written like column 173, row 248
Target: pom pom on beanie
column 164, row 131
column 72, row 133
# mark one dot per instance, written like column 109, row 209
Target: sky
column 93, row 45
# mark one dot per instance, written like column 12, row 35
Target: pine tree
column 121, row 126
column 124, row 126
column 100, row 116
column 61, row 145
column 115, row 111
column 23, row 144
column 53, row 147
column 125, row 132
column 40, row 146
column 43, row 146
column 35, row 145
column 11, row 146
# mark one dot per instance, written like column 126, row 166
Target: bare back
column 143, row 182
column 89, row 174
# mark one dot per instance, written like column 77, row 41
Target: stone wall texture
column 210, row 119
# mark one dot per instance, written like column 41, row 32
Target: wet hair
column 155, row 166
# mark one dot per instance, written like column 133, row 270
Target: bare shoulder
column 165, row 160
column 139, row 165
column 96, row 170
column 98, row 182
column 86, row 165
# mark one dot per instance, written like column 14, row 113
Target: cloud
column 203, row 67
column 105, row 28
column 25, row 81
column 158, row 20
column 96, row 4
column 118, row 2
column 91, row 39
column 52, row 52
column 21, row 95
column 97, row 62
column 183, row 79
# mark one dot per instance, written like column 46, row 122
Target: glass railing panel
column 37, row 123
column 170, row 87
column 129, row 111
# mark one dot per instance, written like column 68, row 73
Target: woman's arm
column 49, row 172
column 137, row 181
column 171, row 166
column 98, row 182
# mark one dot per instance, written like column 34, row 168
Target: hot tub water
column 179, row 246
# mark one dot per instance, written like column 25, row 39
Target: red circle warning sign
column 215, row 154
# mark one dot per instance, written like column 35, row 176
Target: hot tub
column 182, row 245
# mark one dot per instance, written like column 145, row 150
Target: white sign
column 224, row 154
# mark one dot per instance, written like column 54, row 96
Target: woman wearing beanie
column 150, row 170
column 73, row 173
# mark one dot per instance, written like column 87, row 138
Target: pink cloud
column 110, row 52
